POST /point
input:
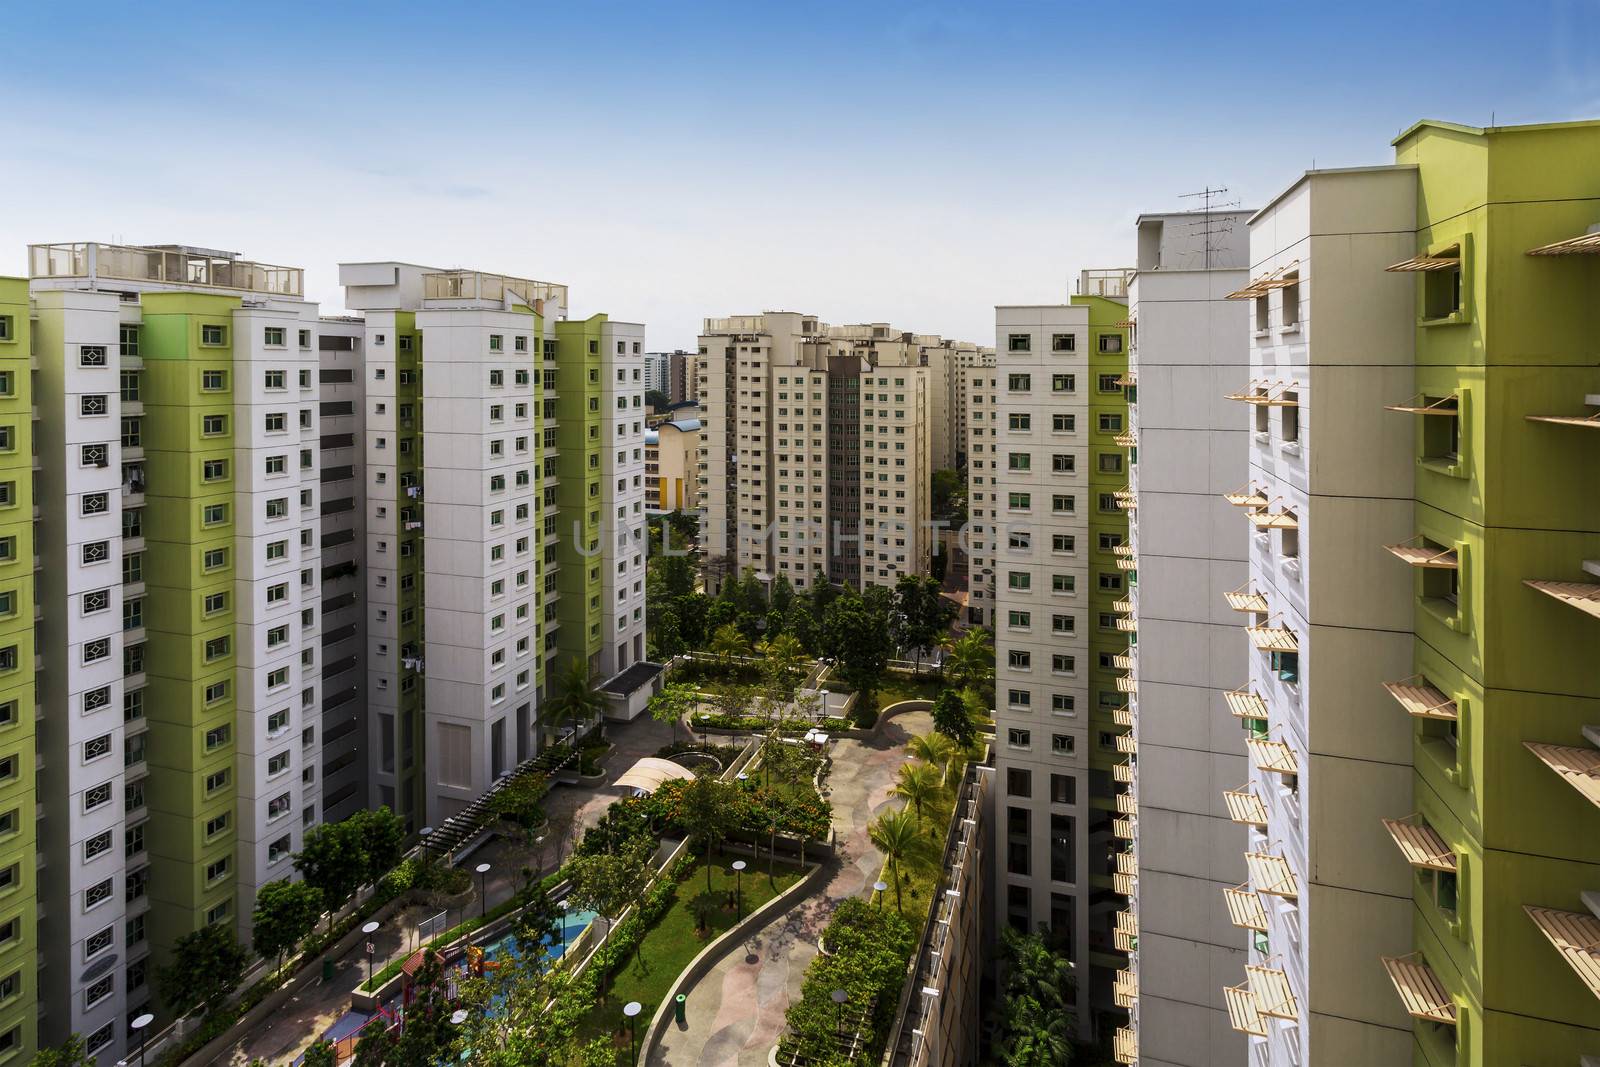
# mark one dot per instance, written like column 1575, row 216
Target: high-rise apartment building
column 668, row 373
column 19, row 1006
column 1047, row 490
column 179, row 606
column 515, row 538
column 1187, row 553
column 818, row 447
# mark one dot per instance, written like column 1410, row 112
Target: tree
column 580, row 698
column 895, row 835
column 320, row 1054
column 381, row 835
column 332, row 861
column 728, row 642
column 919, row 786
column 675, row 701
column 517, row 1015
column 921, row 613
column 285, row 912
column 783, row 663
column 936, row 749
column 858, row 638
column 206, row 964
column 1034, row 1002
column 782, row 595
column 537, row 916
column 656, row 400
column 708, row 815
column 951, row 718
column 70, row 1053
column 607, row 883
column 969, row 661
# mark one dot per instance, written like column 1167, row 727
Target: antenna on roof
column 1209, row 228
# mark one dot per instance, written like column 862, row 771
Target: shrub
column 870, row 949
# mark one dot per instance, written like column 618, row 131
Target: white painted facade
column 1190, row 347
column 1331, row 343
column 622, row 527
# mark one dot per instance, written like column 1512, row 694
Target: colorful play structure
column 477, row 964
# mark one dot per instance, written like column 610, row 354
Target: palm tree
column 969, row 660
column 785, row 656
column 580, row 699
column 1034, row 1003
column 919, row 785
column 895, row 835
column 934, row 748
column 727, row 642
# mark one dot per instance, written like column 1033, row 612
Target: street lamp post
column 839, row 997
column 563, row 928
column 483, row 890
column 369, row 929
column 632, row 1010
column 140, row 1024
column 882, row 887
column 738, row 889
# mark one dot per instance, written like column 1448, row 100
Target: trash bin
column 327, row 968
column 677, row 1009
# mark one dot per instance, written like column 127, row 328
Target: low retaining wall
column 713, row 953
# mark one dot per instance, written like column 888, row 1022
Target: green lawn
column 674, row 941
column 897, row 687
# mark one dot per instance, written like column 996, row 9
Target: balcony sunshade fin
column 1127, row 684
column 1420, row 990
column 1272, row 992
column 1245, row 807
column 1248, row 497
column 1430, row 263
column 1126, row 744
column 1122, row 661
column 1271, row 874
column 1245, row 704
column 1421, row 699
column 1576, row 935
column 1420, row 552
column 1590, row 421
column 1421, row 844
column 1274, row 520
column 1126, row 440
column 1587, row 244
column 1124, row 605
column 1578, row 767
column 1420, row 405
column 1245, row 909
column 1274, row 279
column 1584, row 596
column 1242, row 1012
column 1125, row 324
column 1245, row 599
column 1130, row 378
column 1122, row 550
column 1125, row 1046
column 1273, row 756
column 1127, row 863
column 1269, row 638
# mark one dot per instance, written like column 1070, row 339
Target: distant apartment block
column 818, row 445
column 1047, row 488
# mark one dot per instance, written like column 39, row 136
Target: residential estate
column 1284, row 533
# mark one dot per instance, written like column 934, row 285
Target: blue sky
column 915, row 163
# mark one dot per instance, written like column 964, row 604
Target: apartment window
column 96, row 650
column 213, row 470
column 97, row 845
column 1019, row 342
column 1019, row 619
column 213, row 381
column 1063, row 744
column 1020, row 660
column 1109, row 463
column 273, row 336
column 1063, row 583
column 218, row 868
column 276, row 464
column 1108, row 383
column 214, row 558
column 217, row 647
column 7, row 329
column 1018, row 461
column 277, row 550
column 1063, row 463
column 218, row 780
column 1019, row 383
column 213, row 425
column 1019, row 501
column 1019, row 421
column 1018, row 738
column 1287, row 666
column 1063, row 342
column 276, row 422
column 1063, row 624
column 1290, row 410
column 214, row 514
column 211, row 334
column 93, row 404
column 1110, row 343
column 277, row 764
column 96, row 796
column 1019, row 580
column 1062, row 663
column 1019, row 782
column 218, row 736
column 215, row 692
column 1063, row 503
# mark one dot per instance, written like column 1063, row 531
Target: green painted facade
column 190, row 566
column 410, row 772
column 19, row 897
column 1517, row 500
column 580, row 493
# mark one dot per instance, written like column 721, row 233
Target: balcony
column 1125, row 990
column 476, row 285
column 173, row 265
column 1125, row 1046
column 1270, row 988
column 1245, row 599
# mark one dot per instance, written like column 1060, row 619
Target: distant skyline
column 915, row 163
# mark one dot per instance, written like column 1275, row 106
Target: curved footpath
column 735, row 1013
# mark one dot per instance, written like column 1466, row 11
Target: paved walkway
column 318, row 1005
column 735, row 1013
